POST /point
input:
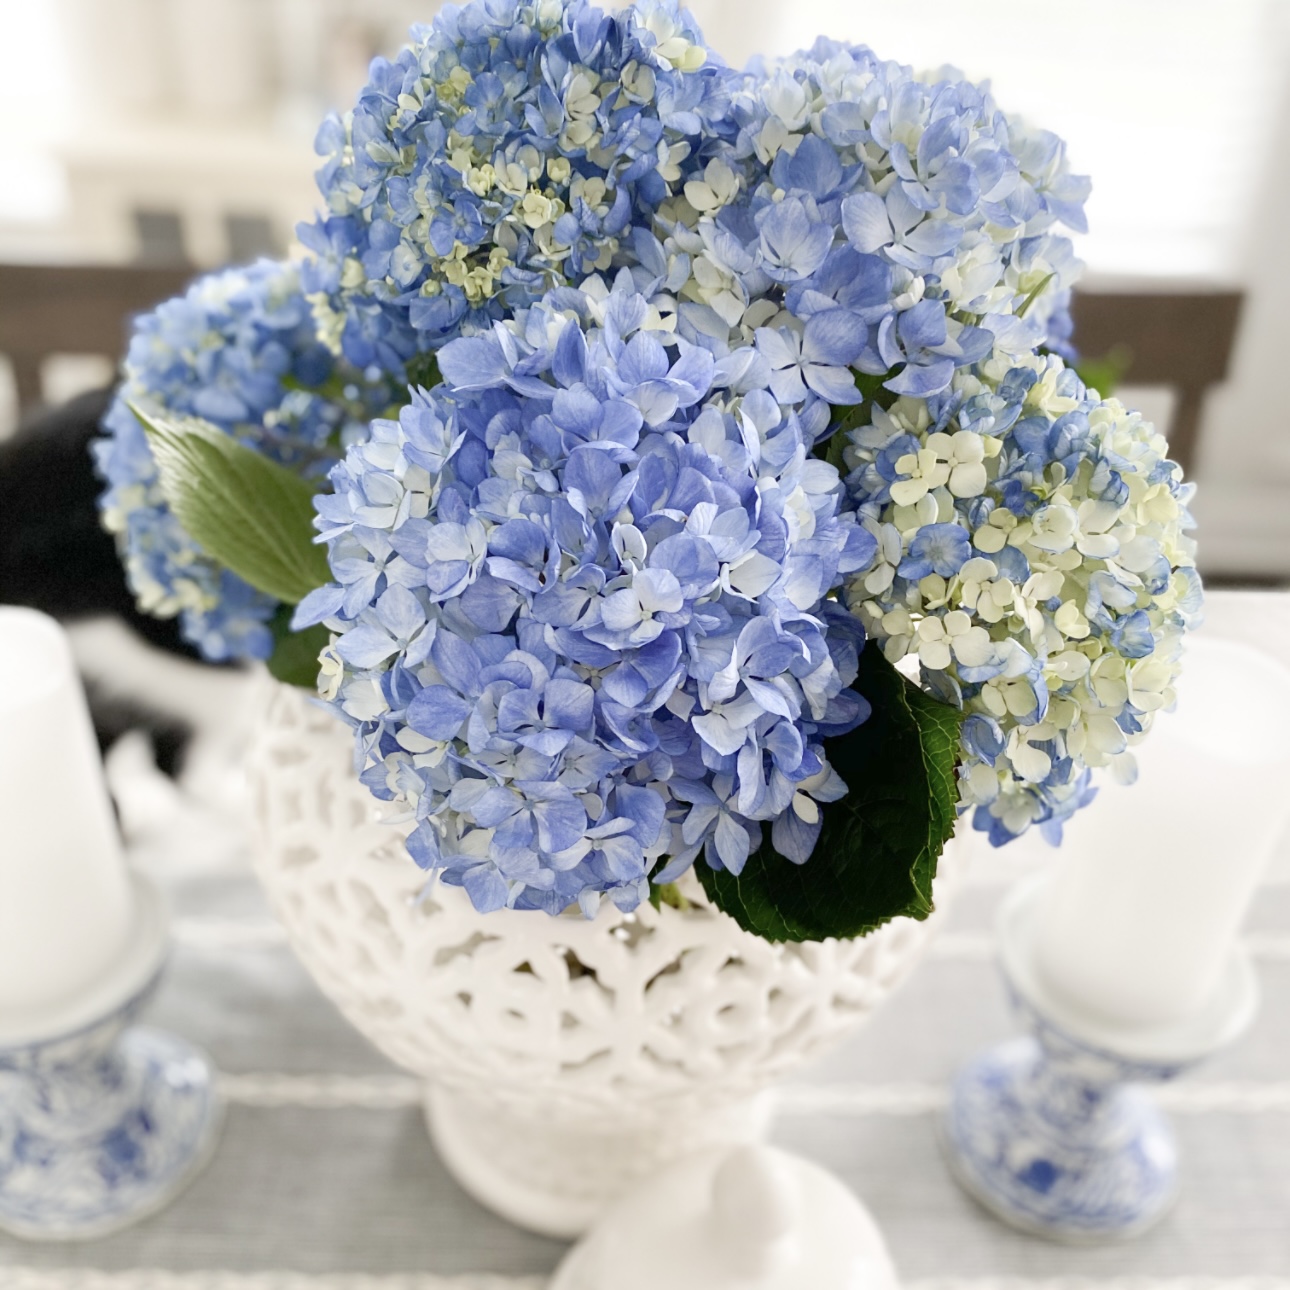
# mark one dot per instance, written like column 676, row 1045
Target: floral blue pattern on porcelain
column 101, row 1128
column 1054, row 1136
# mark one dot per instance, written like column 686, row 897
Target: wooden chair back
column 1180, row 339
column 73, row 309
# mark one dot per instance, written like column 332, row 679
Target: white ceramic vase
column 564, row 1059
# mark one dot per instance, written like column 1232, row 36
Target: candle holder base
column 1054, row 1133
column 104, row 1124
column 1103, row 1165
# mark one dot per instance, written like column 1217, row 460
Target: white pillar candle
column 1153, row 879
column 66, row 906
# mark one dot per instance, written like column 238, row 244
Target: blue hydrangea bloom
column 511, row 148
column 911, row 209
column 1032, row 553
column 239, row 350
column 581, row 604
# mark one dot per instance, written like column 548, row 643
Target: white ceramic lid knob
column 747, row 1218
column 756, row 1204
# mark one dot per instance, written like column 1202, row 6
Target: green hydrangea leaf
column 246, row 512
column 1105, row 373
column 1035, row 292
column 422, row 371
column 294, row 660
column 879, row 845
column 845, row 419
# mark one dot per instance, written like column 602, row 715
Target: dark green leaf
column 871, row 385
column 332, row 389
column 295, row 654
column 845, row 419
column 879, row 845
column 422, row 370
column 832, row 448
column 245, row 512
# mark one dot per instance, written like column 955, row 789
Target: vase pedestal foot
column 553, row 1175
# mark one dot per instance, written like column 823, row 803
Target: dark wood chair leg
column 26, row 377
column 1185, row 428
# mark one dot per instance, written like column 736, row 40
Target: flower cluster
column 864, row 219
column 581, row 603
column 1033, row 557
column 604, row 558
column 238, row 350
column 511, row 148
column 598, row 595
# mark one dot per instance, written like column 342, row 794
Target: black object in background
column 56, row 557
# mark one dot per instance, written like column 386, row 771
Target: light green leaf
column 1105, row 372
column 1035, row 292
column 879, row 845
column 246, row 512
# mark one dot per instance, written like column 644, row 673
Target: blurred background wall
column 171, row 133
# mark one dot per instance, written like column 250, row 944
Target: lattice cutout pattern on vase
column 625, row 1016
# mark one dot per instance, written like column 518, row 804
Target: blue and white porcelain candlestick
column 101, row 1123
column 1055, row 1133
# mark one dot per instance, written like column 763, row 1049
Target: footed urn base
column 556, row 1176
column 569, row 1057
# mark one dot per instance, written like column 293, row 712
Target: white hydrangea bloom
column 1034, row 556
